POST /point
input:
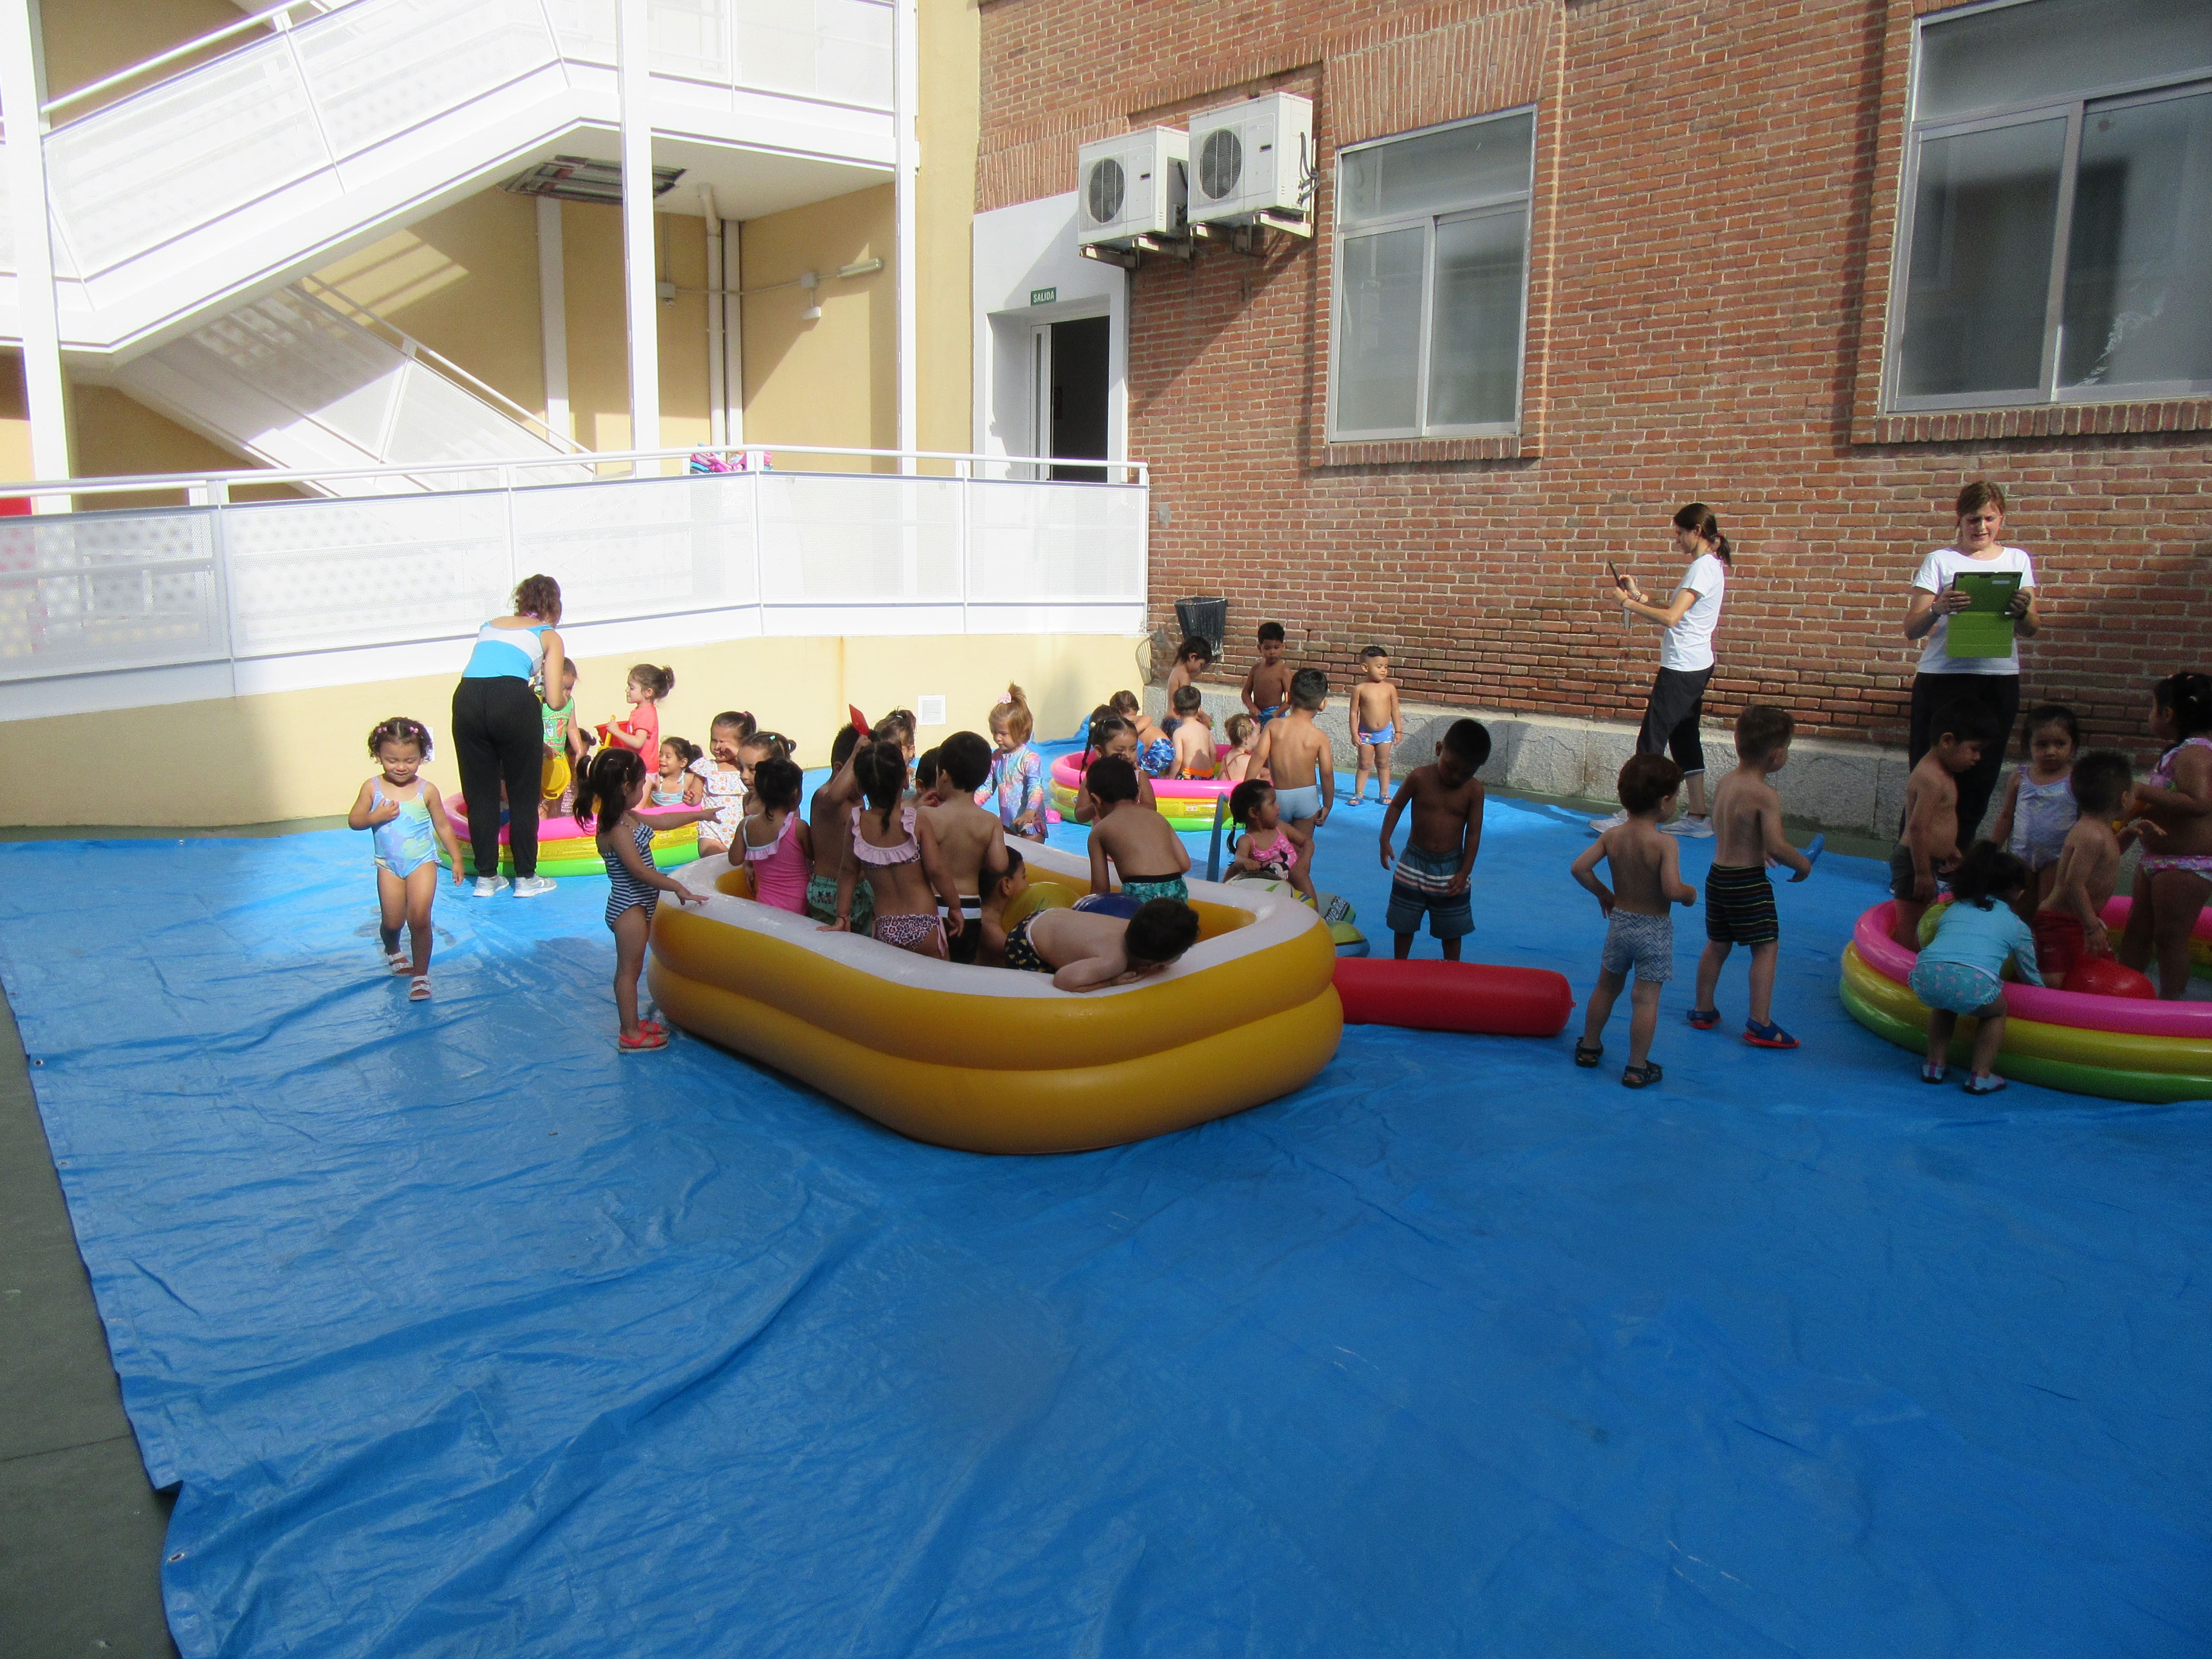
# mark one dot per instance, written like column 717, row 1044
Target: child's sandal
column 418, row 989
column 1980, row 1083
column 1587, row 1053
column 1638, row 1077
column 1931, row 1072
column 1704, row 1019
column 643, row 1043
column 400, row 965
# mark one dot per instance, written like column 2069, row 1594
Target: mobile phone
column 1618, row 581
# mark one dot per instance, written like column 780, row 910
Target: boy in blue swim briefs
column 1268, row 687
column 1294, row 756
column 1431, row 874
column 1374, row 723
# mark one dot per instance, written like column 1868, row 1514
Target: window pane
column 2139, row 270
column 1437, row 172
column 2057, row 48
column 1474, row 338
column 1378, row 345
column 1983, row 218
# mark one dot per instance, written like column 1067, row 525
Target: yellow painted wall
column 833, row 381
column 599, row 355
column 302, row 754
column 948, row 123
column 86, row 40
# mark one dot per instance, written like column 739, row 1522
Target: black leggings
column 1997, row 695
column 499, row 737
column 1671, row 717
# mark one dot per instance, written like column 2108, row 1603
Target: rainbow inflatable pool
column 2113, row 1047
column 566, row 847
column 1187, row 803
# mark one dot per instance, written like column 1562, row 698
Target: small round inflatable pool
column 566, row 847
column 2116, row 1048
column 1187, row 803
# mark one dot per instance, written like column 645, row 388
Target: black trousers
column 499, row 737
column 1671, row 717
column 1942, row 694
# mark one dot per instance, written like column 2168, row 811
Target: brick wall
column 1714, row 206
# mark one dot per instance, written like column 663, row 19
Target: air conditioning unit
column 1131, row 186
column 1253, row 163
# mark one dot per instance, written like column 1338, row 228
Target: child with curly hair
column 406, row 820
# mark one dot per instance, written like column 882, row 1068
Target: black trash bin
column 1204, row 619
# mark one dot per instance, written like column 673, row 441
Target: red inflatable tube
column 1454, row 996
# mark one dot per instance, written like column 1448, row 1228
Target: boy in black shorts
column 1431, row 874
column 1739, row 897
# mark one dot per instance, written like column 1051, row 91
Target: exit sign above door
column 1043, row 296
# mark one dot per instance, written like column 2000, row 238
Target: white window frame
column 2048, row 393
column 1519, row 202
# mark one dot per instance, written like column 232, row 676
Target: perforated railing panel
column 641, row 548
column 380, row 67
column 94, row 595
column 858, row 539
column 1047, row 543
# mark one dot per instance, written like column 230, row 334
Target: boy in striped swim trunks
column 1431, row 874
column 1739, row 898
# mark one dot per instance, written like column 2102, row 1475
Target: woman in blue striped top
column 499, row 733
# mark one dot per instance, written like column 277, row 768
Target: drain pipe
column 717, row 400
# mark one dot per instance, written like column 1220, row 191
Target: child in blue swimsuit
column 406, row 820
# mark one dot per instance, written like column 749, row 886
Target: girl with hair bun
column 612, row 791
column 1016, row 787
column 499, row 732
column 406, row 820
column 1949, row 683
column 2174, row 808
column 1677, row 703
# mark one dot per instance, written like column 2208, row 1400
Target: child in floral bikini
column 1266, row 853
column 902, row 869
column 2175, row 877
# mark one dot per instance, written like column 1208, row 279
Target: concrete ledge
column 1849, row 787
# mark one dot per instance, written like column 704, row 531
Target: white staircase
column 197, row 193
column 293, row 383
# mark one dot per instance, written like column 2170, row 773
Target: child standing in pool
column 1266, row 688
column 1192, row 731
column 1431, row 875
column 827, row 816
column 407, row 820
column 2174, row 877
column 612, row 790
column 640, row 731
column 1124, row 834
column 1015, row 787
column 2038, row 805
column 2069, row 924
column 1639, row 922
column 1374, row 723
column 968, row 842
column 722, row 781
column 1243, row 734
column 779, row 847
column 904, row 873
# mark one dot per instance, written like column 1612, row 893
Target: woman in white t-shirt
column 1944, row 683
column 1677, row 702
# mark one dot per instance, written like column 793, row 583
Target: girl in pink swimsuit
column 779, row 848
column 900, row 869
column 2174, row 811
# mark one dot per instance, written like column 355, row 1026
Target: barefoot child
column 2039, row 808
column 1265, row 853
column 1015, row 785
column 612, row 790
column 1192, row 658
column 1930, row 845
column 2069, row 924
column 406, row 820
column 1086, row 950
column 1639, row 928
column 1192, row 730
column 723, row 782
column 1431, row 875
column 641, row 731
column 1156, row 750
column 969, row 843
column 828, row 817
column 2174, row 877
column 1266, row 688
column 908, row 882
column 1958, row 971
column 565, row 745
column 1243, row 734
column 1374, row 723
column 1294, row 754
column 1738, row 896
column 674, row 785
column 779, row 846
column 1124, row 834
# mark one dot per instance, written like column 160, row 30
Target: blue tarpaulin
column 464, row 1335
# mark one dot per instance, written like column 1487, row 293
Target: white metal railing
column 967, row 546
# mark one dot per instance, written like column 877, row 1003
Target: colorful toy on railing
column 734, row 460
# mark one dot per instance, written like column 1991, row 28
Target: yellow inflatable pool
column 988, row 1059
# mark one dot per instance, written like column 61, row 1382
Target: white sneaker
column 536, row 886
column 489, row 886
column 1613, row 822
column 1690, row 828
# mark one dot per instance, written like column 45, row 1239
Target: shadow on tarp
column 465, row 1335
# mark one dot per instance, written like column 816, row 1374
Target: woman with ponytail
column 2174, row 808
column 499, row 732
column 612, row 790
column 1947, row 682
column 1677, row 703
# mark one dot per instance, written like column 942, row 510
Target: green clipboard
column 1982, row 629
